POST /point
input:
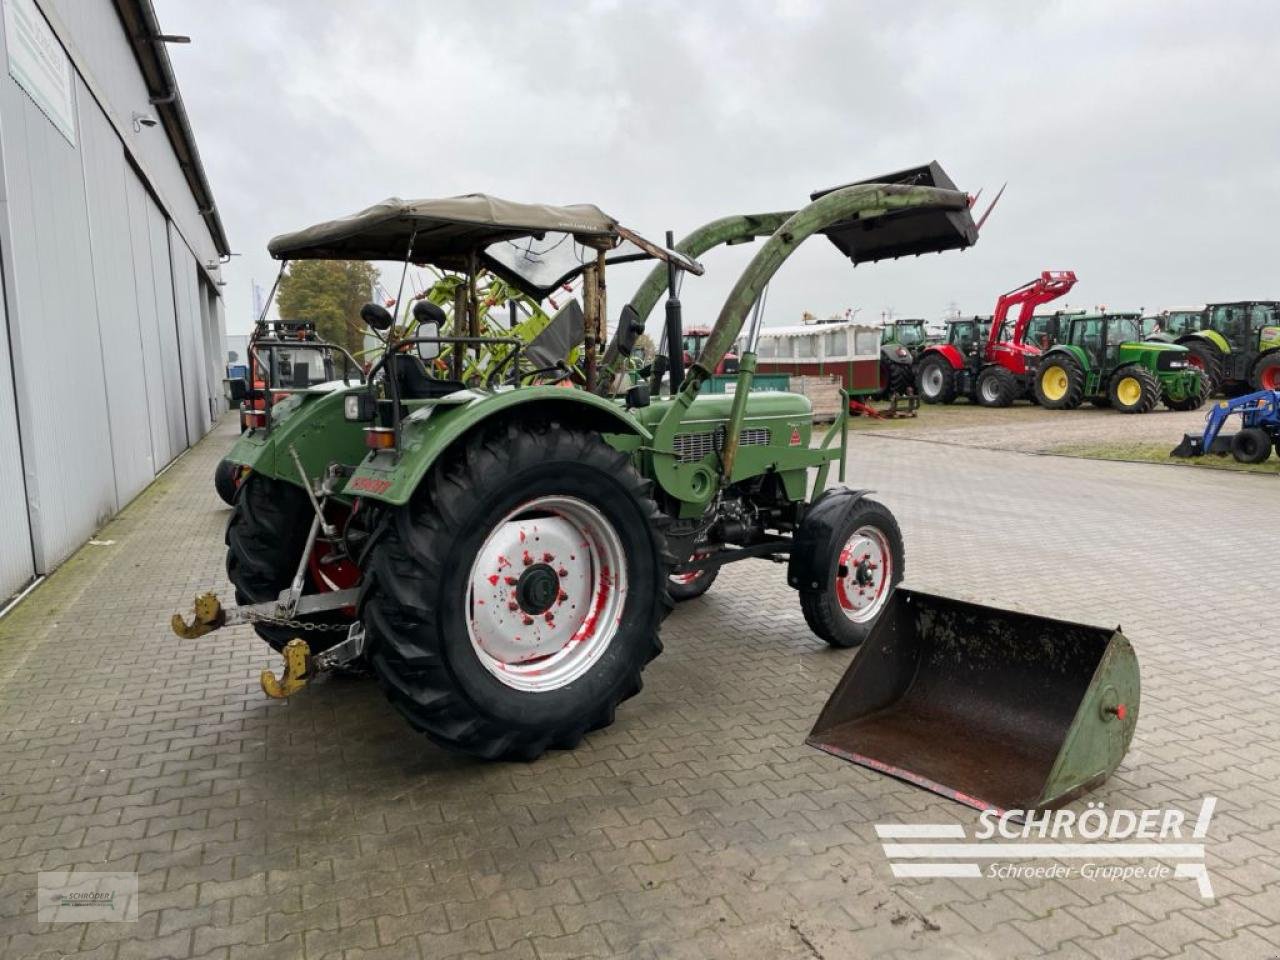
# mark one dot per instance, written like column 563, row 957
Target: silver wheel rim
column 545, row 594
column 989, row 391
column 864, row 574
column 931, row 382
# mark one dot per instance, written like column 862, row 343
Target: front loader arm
column 726, row 230
column 861, row 202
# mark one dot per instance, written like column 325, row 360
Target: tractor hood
column 535, row 247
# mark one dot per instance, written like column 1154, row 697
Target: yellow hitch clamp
column 297, row 658
column 209, row 616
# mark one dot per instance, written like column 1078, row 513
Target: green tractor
column 900, row 344
column 1236, row 344
column 1103, row 358
column 499, row 552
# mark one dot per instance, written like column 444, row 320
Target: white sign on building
column 39, row 64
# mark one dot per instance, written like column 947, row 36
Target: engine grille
column 694, row 446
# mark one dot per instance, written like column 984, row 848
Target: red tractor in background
column 290, row 355
column 694, row 338
column 994, row 369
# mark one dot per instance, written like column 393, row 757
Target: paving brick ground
column 698, row 825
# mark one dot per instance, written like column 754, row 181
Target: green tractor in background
column 900, row 344
column 1236, row 344
column 1103, row 358
column 499, row 551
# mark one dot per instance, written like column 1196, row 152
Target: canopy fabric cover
column 441, row 229
column 536, row 247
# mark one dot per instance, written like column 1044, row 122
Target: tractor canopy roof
column 536, row 247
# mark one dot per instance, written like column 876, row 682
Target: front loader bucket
column 1192, row 445
column 993, row 708
column 905, row 233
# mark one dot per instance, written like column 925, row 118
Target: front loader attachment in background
column 993, row 708
column 904, row 233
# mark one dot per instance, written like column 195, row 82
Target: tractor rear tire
column 1059, row 383
column 997, row 387
column 265, row 537
column 1251, row 445
column 936, row 380
column 1193, row 402
column 445, row 634
column 226, row 478
column 842, row 613
column 1133, row 389
column 690, row 586
column 1209, row 359
column 1266, row 372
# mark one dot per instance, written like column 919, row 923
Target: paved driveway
column 698, row 825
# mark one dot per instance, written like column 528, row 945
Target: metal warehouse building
column 112, row 327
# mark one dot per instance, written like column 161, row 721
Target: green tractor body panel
column 430, row 427
column 776, row 431
column 310, row 422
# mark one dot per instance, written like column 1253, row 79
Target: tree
column 645, row 348
column 330, row 294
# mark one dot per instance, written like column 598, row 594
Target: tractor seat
column 416, row 383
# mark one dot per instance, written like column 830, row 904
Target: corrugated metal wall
column 115, row 334
column 17, row 564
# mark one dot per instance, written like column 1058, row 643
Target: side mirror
column 428, row 351
column 376, row 316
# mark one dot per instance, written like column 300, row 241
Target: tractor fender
column 1210, row 336
column 431, row 430
column 948, row 350
column 895, row 353
column 807, row 568
column 1066, row 349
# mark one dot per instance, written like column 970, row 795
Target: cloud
column 1139, row 140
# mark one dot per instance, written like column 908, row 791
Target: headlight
column 1177, row 365
column 358, row 407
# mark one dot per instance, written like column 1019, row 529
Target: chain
column 296, row 624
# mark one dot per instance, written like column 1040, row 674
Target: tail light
column 379, row 438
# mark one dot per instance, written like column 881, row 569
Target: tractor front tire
column 1133, row 389
column 226, row 478
column 1209, row 359
column 997, row 387
column 267, row 532
column 1266, row 372
column 1059, row 383
column 513, row 602
column 1251, row 445
column 868, row 562
column 691, row 585
column 936, row 380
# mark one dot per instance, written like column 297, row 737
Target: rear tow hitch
column 301, row 666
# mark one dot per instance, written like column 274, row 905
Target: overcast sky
column 1140, row 141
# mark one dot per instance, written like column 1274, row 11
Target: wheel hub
column 932, row 381
column 537, row 589
column 864, row 574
